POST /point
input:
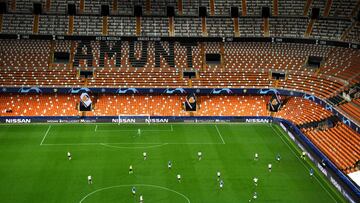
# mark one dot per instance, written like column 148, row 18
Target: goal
column 134, row 118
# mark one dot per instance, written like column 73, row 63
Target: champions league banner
column 190, row 103
column 85, row 102
column 275, row 103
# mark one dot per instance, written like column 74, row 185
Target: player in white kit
column 199, row 155
column 218, row 175
column 145, row 155
column 255, row 181
column 89, row 180
column 256, row 157
column 169, row 165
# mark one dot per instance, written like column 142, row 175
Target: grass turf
column 34, row 166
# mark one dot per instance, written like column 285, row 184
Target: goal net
column 138, row 118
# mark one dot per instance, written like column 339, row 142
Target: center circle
column 138, row 186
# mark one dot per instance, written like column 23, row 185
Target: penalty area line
column 171, row 130
column 46, row 133
column 222, row 139
column 123, row 143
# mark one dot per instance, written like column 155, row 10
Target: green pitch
column 34, row 166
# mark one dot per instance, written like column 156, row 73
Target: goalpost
column 134, row 118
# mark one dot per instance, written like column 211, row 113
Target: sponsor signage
column 157, row 120
column 123, row 120
column 17, row 120
column 257, row 120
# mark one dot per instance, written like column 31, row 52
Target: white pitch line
column 45, row 135
column 222, row 139
column 143, row 147
column 122, row 143
column 96, row 126
column 172, row 128
column 70, row 144
column 292, row 150
column 137, row 185
column 134, row 130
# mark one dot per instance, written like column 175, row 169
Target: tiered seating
column 138, row 77
column 155, row 27
column 291, row 7
column 38, row 105
column 222, row 8
column 24, row 53
column 158, row 7
column 124, row 8
column 188, row 27
column 317, row 85
column 251, row 27
column 50, row 24
column 93, row 7
column 301, row 111
column 336, row 100
column 329, row 29
column 273, row 56
column 26, row 63
column 30, row 77
column 87, row 25
column 19, row 24
column 352, row 109
column 154, row 105
column 354, row 34
column 60, row 6
column 23, row 6
column 232, row 79
column 317, row 4
column 288, row 27
column 113, row 105
column 343, row 63
column 232, row 105
column 220, row 27
column 191, row 7
column 121, row 26
column 341, row 8
column 244, row 64
column 254, row 6
column 339, row 143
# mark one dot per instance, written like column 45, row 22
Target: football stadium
column 179, row 101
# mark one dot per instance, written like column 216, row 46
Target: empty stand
column 339, row 144
column 301, row 111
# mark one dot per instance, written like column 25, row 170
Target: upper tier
column 336, row 8
column 291, row 18
column 160, row 64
